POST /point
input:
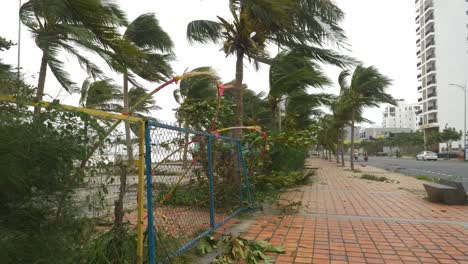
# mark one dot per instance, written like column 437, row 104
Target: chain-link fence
column 195, row 182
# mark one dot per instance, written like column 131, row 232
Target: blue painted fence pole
column 210, row 181
column 149, row 197
column 246, row 177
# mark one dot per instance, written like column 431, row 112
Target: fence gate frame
column 149, row 190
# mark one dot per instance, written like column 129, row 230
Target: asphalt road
column 452, row 170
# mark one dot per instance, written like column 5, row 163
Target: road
column 452, row 170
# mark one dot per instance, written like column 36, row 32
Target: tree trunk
column 449, row 145
column 279, row 116
column 41, row 84
column 124, row 168
column 342, row 148
column 353, row 117
column 118, row 205
column 184, row 155
column 128, row 135
column 337, row 154
column 239, row 93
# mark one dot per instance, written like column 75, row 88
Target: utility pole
column 19, row 42
column 464, row 120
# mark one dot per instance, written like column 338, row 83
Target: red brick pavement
column 349, row 220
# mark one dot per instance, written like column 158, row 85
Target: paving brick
column 346, row 219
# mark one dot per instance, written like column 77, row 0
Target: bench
column 447, row 192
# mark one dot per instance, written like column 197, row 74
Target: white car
column 427, row 155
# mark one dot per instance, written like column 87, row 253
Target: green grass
column 374, row 178
column 427, row 178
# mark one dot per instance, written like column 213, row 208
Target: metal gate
column 195, row 182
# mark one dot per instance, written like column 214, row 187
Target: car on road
column 427, row 155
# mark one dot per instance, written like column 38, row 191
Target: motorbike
column 366, row 158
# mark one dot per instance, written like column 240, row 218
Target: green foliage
column 112, row 247
column 238, row 249
column 206, row 245
column 200, row 114
column 407, row 144
column 65, row 24
column 39, row 221
column 374, row 178
column 281, row 180
column 427, row 178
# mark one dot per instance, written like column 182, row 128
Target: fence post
column 210, row 181
column 244, row 170
column 149, row 197
column 141, row 190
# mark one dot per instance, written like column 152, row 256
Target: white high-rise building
column 403, row 115
column 442, row 41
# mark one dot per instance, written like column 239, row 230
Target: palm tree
column 194, row 89
column 150, row 61
column 256, row 24
column 65, row 25
column 291, row 74
column 301, row 107
column 145, row 107
column 101, row 95
column 366, row 89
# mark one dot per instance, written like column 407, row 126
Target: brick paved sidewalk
column 345, row 219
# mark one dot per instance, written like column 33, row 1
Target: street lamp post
column 464, row 120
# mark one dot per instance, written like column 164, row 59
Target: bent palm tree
column 150, row 62
column 65, row 25
column 366, row 89
column 256, row 24
column 193, row 89
column 101, row 95
column 291, row 73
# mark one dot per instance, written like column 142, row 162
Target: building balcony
column 420, row 123
column 431, row 108
column 430, row 56
column 420, row 99
column 418, row 29
column 429, row 70
column 418, row 41
column 431, row 82
column 419, row 64
column 429, row 6
column 431, row 121
column 417, row 18
column 419, row 88
column 419, row 112
column 419, row 76
column 430, row 30
column 430, row 44
column 429, row 18
column 433, row 94
column 418, row 53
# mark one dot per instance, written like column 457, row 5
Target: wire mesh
column 196, row 185
column 104, row 169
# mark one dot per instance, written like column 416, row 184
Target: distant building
column 357, row 132
column 403, row 115
column 375, row 133
column 442, row 46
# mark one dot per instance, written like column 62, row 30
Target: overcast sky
column 380, row 32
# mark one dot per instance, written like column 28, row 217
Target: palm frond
column 146, row 33
column 57, row 68
column 204, row 31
